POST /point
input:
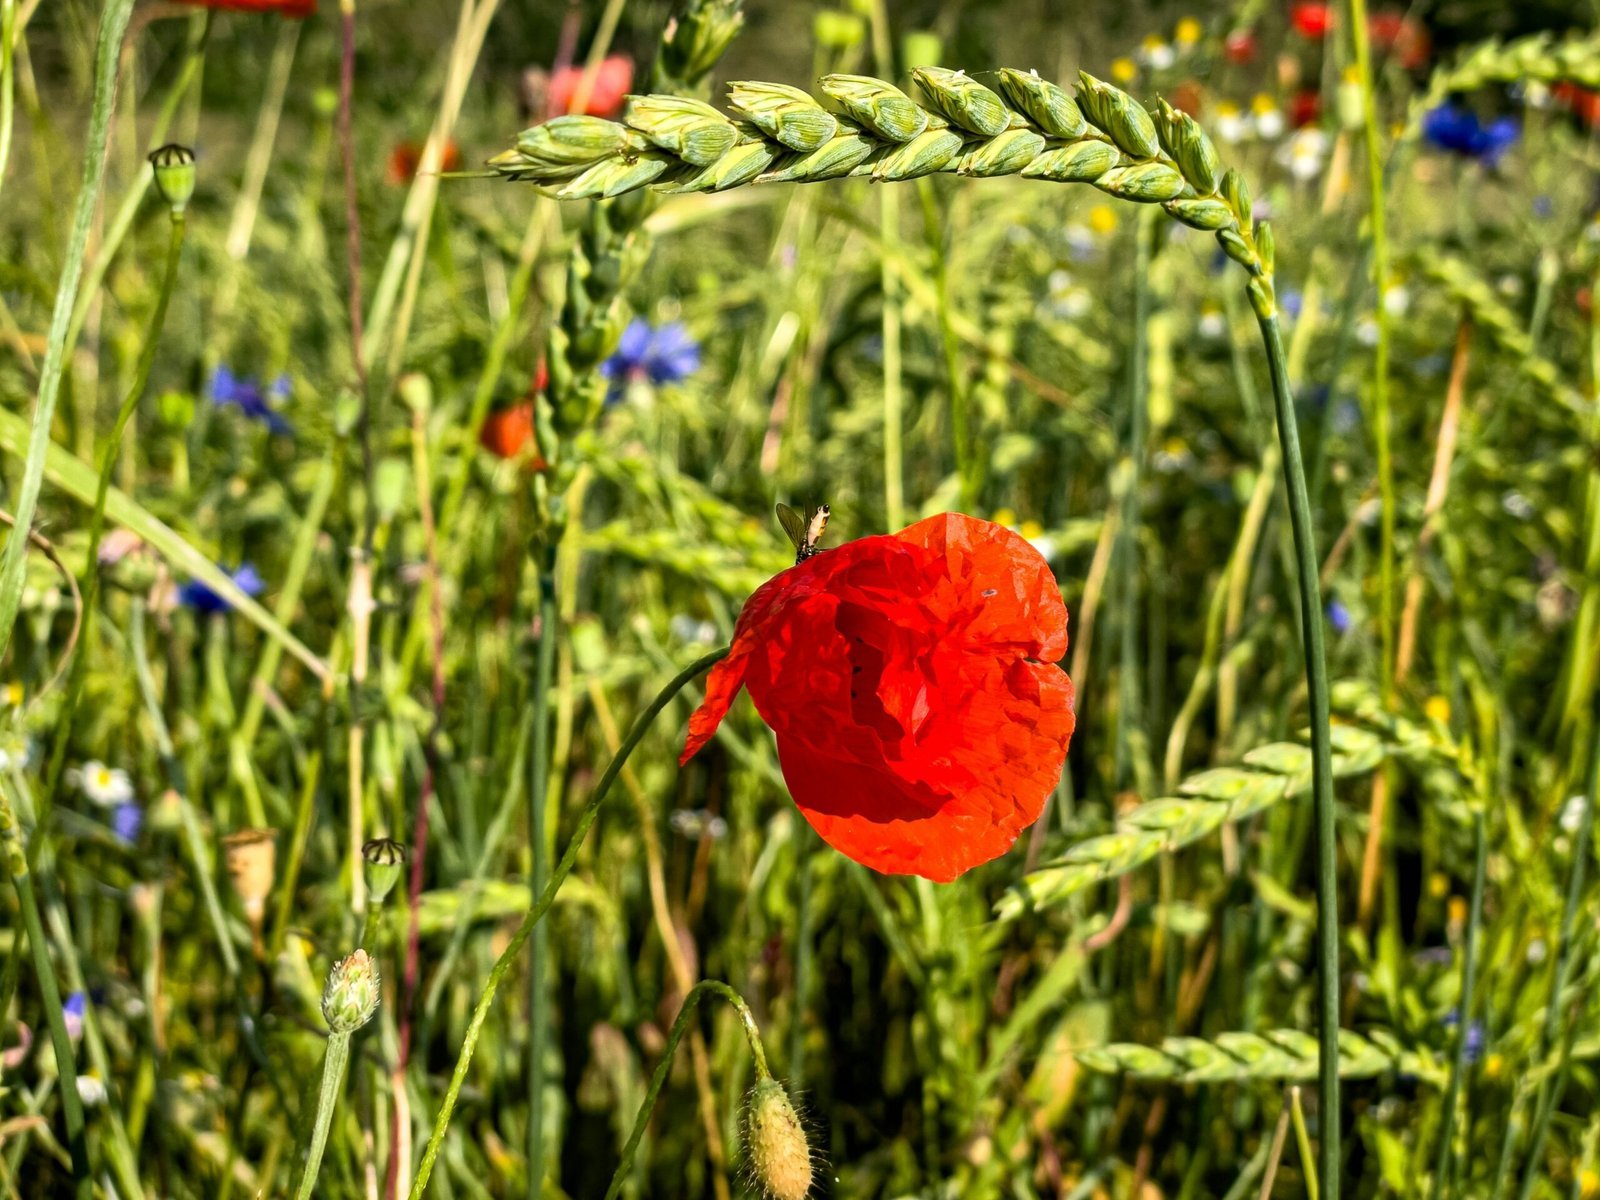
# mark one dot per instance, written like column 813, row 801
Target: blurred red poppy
column 1240, row 46
column 297, row 9
column 1187, row 97
column 911, row 680
column 1581, row 102
column 405, row 158
column 509, row 433
column 611, row 84
column 1400, row 36
column 1305, row 108
column 1312, row 20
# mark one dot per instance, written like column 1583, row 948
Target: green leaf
column 78, row 480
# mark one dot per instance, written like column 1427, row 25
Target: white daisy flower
column 106, row 786
column 1572, row 813
column 1213, row 324
column 91, row 1090
column 1304, row 153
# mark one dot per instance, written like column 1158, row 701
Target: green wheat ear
column 1211, row 798
column 1279, row 1055
column 867, row 128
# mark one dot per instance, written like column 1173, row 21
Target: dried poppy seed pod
column 963, row 101
column 173, row 167
column 1046, row 105
column 1120, row 115
column 252, row 858
column 351, row 996
column 882, row 108
column 786, row 114
column 690, row 129
column 384, row 858
column 780, row 1156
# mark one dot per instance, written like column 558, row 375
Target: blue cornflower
column 72, row 1013
column 1543, row 206
column 126, row 821
column 250, row 397
column 202, row 599
column 1339, row 617
column 1292, row 302
column 1474, row 1047
column 660, row 355
column 1459, row 130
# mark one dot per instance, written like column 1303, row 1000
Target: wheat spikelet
column 1503, row 326
column 1280, row 1055
column 1207, row 800
column 1024, row 125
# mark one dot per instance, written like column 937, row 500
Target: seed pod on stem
column 780, row 1156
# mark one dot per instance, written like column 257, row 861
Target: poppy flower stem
column 97, row 516
column 541, row 905
column 538, row 790
column 752, row 1033
column 113, row 22
column 1305, row 553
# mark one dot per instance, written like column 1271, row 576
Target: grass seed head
column 780, row 1156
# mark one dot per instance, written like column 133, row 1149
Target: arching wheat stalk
column 1025, row 126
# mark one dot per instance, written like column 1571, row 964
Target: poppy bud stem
column 541, row 906
column 752, row 1034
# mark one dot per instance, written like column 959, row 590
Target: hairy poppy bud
column 780, row 1156
column 384, row 858
column 173, row 166
column 351, row 996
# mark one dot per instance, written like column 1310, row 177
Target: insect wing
column 794, row 525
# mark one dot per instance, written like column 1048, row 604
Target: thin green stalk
column 8, row 82
column 893, row 404
column 1126, row 549
column 664, row 1068
column 97, row 516
column 1306, row 560
column 969, row 467
column 1302, row 1141
column 14, row 853
column 569, row 859
column 538, row 791
column 1380, row 366
column 117, row 231
column 1550, row 1090
column 333, row 1065
column 113, row 22
column 1469, row 983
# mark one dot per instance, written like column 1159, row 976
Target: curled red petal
column 912, row 685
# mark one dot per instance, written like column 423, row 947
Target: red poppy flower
column 405, row 158
column 1240, row 46
column 509, row 432
column 611, row 84
column 298, row 9
column 1312, row 20
column 1187, row 97
column 1305, row 108
column 1579, row 101
column 1397, row 34
column 911, row 679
